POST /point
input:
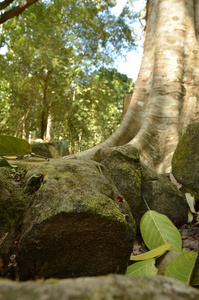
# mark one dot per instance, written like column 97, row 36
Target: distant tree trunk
column 24, row 131
column 49, row 127
column 22, row 122
column 44, row 118
column 166, row 94
column 46, row 124
column 45, row 114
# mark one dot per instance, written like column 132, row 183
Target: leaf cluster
column 166, row 256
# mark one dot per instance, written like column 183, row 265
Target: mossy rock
column 162, row 196
column 124, row 168
column 13, row 201
column 51, row 149
column 13, row 205
column 139, row 185
column 74, row 225
column 185, row 162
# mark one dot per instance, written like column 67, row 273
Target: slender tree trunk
column 79, row 141
column 45, row 114
column 22, row 122
column 165, row 98
column 49, row 127
column 44, row 118
column 24, row 131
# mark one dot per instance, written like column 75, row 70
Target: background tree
column 166, row 93
column 96, row 109
column 49, row 70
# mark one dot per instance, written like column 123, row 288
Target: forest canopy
column 57, row 74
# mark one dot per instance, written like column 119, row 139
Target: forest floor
column 190, row 237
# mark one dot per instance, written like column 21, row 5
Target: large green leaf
column 157, row 229
column 195, row 277
column 12, row 146
column 142, row 268
column 153, row 253
column 182, row 267
column 163, row 261
column 4, row 163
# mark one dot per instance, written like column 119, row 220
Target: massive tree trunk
column 166, row 93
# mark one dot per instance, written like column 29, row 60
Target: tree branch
column 15, row 11
column 5, row 4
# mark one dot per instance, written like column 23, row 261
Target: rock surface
column 13, row 202
column 74, row 225
column 163, row 196
column 138, row 184
column 124, row 167
column 71, row 218
column 51, row 149
column 98, row 288
column 185, row 162
column 13, row 205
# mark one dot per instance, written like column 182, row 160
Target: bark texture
column 165, row 98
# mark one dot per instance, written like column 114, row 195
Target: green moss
column 135, row 172
column 13, row 201
column 50, row 280
column 185, row 163
column 182, row 150
column 63, row 182
column 104, row 206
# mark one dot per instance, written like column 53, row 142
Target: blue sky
column 130, row 66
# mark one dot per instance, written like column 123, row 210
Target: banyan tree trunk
column 166, row 94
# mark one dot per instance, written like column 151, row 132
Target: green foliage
column 4, row 163
column 182, row 267
column 195, row 277
column 96, row 110
column 58, row 64
column 142, row 268
column 158, row 230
